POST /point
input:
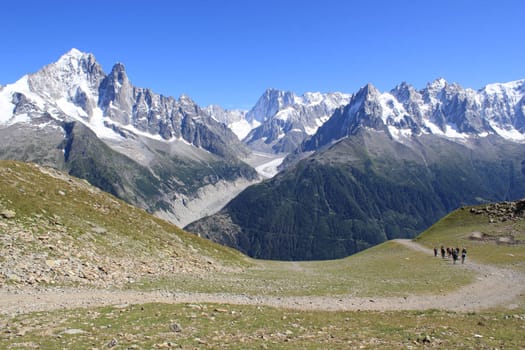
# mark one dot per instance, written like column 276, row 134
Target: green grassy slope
column 492, row 233
column 43, row 212
column 212, row 326
column 58, row 229
column 387, row 270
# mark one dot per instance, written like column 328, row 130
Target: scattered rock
column 73, row 331
column 425, row 340
column 505, row 240
column 477, row 236
column 200, row 341
column 13, row 278
column 175, row 327
column 113, row 342
column 52, row 263
column 7, row 214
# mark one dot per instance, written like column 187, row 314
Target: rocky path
column 493, row 287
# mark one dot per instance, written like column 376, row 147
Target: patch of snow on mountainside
column 509, row 134
column 391, row 108
column 6, row 107
column 311, row 98
column 318, row 123
column 243, row 127
column 97, row 124
column 511, row 89
column 399, row 134
column 452, row 132
column 286, row 114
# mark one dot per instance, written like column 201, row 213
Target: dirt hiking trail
column 493, row 287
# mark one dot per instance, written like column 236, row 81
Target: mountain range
column 386, row 165
column 356, row 168
column 164, row 154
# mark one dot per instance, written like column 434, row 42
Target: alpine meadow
column 354, row 201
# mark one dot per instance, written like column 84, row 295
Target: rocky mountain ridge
column 76, row 86
column 169, row 150
column 441, row 109
column 287, row 119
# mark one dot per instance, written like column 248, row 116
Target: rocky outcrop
column 502, row 211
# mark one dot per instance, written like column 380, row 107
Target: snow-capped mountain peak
column 73, row 58
column 441, row 109
column 270, row 103
column 437, row 84
column 75, row 88
column 286, row 119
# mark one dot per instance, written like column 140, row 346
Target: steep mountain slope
column 57, row 229
column 379, row 172
column 161, row 153
column 287, row 119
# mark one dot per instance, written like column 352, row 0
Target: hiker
column 455, row 255
column 463, row 255
column 443, row 252
column 435, row 251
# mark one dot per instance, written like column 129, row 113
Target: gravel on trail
column 494, row 287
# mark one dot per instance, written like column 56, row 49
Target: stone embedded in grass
column 175, row 327
column 73, row 331
column 7, row 214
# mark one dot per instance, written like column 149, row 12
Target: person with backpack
column 463, row 255
column 455, row 255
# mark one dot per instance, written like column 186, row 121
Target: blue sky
column 228, row 52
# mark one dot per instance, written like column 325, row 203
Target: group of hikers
column 452, row 252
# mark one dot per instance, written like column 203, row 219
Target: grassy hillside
column 56, row 229
column 215, row 326
column 380, row 271
column 492, row 233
